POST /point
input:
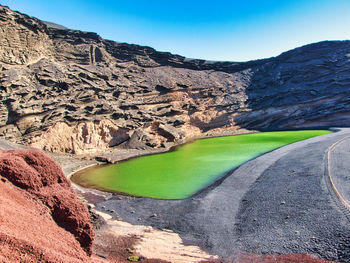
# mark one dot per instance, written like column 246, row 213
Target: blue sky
column 215, row 30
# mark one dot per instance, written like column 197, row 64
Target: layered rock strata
column 55, row 79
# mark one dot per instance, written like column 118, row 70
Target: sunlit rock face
column 50, row 75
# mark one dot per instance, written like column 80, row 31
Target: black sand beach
column 280, row 202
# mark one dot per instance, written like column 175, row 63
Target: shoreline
column 128, row 154
column 149, row 241
column 211, row 184
column 121, row 155
column 196, row 217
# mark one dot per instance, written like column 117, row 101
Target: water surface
column 190, row 168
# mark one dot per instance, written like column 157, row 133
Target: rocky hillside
column 70, row 91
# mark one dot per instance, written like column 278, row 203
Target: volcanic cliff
column 69, row 91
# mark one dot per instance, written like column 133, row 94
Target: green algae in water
column 182, row 173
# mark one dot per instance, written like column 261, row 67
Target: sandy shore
column 154, row 243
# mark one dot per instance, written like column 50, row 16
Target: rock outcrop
column 83, row 137
column 41, row 218
column 51, row 77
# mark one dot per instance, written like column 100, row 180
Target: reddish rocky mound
column 41, row 218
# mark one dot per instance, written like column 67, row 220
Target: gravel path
column 339, row 171
column 280, row 202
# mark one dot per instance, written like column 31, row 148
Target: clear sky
column 236, row 30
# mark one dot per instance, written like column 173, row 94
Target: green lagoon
column 181, row 173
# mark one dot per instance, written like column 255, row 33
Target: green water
column 181, row 173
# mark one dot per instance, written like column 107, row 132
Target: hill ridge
column 104, row 93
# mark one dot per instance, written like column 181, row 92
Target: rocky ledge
column 70, row 91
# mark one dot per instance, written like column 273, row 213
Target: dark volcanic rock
column 51, row 76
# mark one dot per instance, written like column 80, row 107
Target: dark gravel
column 280, row 202
column 340, row 168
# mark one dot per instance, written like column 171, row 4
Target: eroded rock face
column 74, row 77
column 22, row 41
column 38, row 208
column 78, row 138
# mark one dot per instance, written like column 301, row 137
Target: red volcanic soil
column 41, row 218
